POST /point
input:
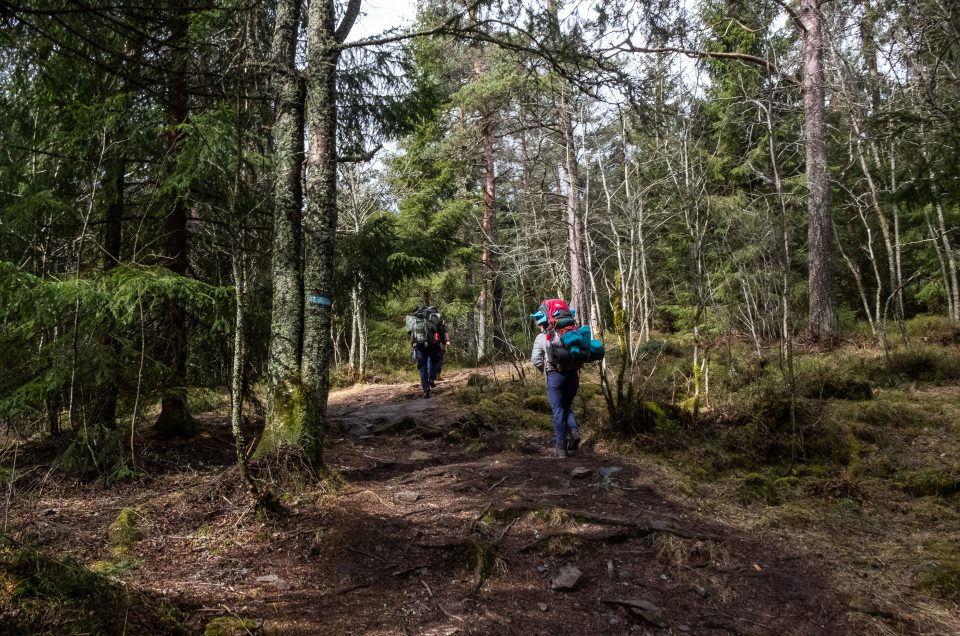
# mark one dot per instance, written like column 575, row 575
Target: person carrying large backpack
column 555, row 319
column 428, row 339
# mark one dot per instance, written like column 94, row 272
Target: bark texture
column 823, row 323
column 319, row 224
column 175, row 419
column 286, row 323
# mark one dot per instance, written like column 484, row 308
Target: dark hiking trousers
column 428, row 364
column 561, row 389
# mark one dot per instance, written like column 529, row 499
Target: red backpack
column 559, row 316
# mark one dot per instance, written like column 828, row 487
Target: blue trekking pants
column 561, row 389
column 428, row 364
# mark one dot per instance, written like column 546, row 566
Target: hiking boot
column 426, row 395
column 433, row 384
column 561, row 452
column 573, row 441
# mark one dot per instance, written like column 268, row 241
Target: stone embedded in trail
column 396, row 427
column 276, row 581
column 609, row 471
column 644, row 609
column 542, row 606
column 420, row 456
column 581, row 471
column 567, row 580
column 407, row 496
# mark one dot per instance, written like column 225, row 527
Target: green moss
column 117, row 568
column 929, row 483
column 929, row 364
column 481, row 558
column 754, row 488
column 549, row 516
column 840, row 389
column 790, row 487
column 537, row 403
column 478, row 380
column 887, row 413
column 123, row 533
column 468, row 397
column 230, row 626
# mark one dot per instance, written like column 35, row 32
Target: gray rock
column 408, row 496
column 567, row 579
column 542, row 606
column 701, row 591
column 609, row 471
column 580, row 472
column 643, row 609
column 276, row 581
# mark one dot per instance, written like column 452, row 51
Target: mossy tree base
column 175, row 419
column 290, row 429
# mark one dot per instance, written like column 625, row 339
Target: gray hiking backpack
column 423, row 325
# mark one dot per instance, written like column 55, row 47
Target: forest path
column 450, row 524
column 443, row 524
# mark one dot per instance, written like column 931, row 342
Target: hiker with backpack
column 559, row 351
column 428, row 338
column 562, row 385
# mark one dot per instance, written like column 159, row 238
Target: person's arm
column 444, row 336
column 539, row 354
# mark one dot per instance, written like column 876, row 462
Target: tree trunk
column 578, row 287
column 286, row 322
column 175, row 419
column 491, row 262
column 112, row 240
column 320, row 221
column 823, row 322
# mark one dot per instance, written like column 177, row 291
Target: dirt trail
column 450, row 526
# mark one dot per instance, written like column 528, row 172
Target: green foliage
column 927, row 364
column 95, row 451
column 44, row 593
column 929, row 483
column 99, row 305
column 755, row 487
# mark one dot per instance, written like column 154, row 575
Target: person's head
column 540, row 318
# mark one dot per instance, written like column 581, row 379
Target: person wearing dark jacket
column 443, row 339
column 562, row 388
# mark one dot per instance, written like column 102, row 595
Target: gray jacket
column 539, row 355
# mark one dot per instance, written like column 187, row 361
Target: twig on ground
column 346, row 588
column 411, row 569
column 496, row 484
column 437, row 603
column 507, row 529
column 366, row 554
column 240, row 621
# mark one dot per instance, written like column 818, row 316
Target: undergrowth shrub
column 928, row 364
column 767, row 437
column 98, row 452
